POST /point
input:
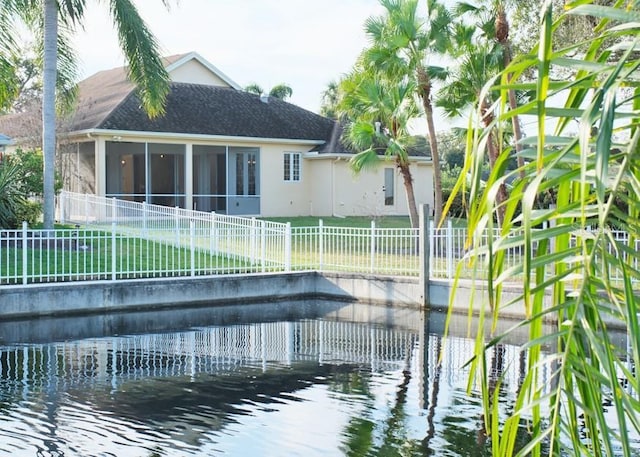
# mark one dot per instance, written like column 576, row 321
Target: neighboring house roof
column 335, row 145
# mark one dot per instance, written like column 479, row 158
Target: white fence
column 115, row 239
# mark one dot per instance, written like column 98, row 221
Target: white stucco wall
column 337, row 190
column 321, row 179
column 279, row 197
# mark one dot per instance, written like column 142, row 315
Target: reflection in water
column 336, row 379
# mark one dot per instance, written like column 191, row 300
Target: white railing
column 133, row 240
column 388, row 251
column 36, row 256
column 257, row 242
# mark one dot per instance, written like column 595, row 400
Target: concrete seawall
column 77, row 298
column 101, row 297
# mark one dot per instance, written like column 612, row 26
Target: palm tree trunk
column 50, row 13
column 408, row 187
column 501, row 197
column 513, row 104
column 502, row 36
column 424, row 84
column 435, row 157
column 517, row 132
column 487, row 120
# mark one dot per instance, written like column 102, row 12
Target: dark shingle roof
column 212, row 110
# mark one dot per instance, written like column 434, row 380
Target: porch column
column 101, row 167
column 188, row 176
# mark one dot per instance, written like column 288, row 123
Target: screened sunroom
column 217, row 178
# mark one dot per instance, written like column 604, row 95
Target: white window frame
column 290, row 158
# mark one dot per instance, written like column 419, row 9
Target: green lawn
column 134, row 258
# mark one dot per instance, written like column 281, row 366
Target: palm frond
column 142, row 53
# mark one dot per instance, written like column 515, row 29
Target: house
column 218, row 148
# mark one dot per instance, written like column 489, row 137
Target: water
column 308, row 379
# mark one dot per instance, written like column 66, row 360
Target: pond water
column 306, row 378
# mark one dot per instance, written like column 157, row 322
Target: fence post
column 113, row 251
column 263, row 240
column 192, row 246
column 321, row 242
column 61, row 206
column 449, row 253
column 25, row 255
column 177, row 219
column 114, row 212
column 435, row 243
column 287, row 248
column 213, row 235
column 86, row 209
column 145, row 215
column 372, row 252
column 424, row 247
column 253, row 241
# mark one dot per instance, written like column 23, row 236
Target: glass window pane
column 287, row 166
column 296, row 167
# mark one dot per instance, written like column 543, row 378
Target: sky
column 303, row 43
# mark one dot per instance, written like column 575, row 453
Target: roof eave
column 124, row 134
column 314, row 155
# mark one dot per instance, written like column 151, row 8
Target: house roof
column 211, row 110
column 108, row 101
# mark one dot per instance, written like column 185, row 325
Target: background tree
column 452, row 147
column 476, row 63
column 21, row 178
column 380, row 110
column 492, row 18
column 330, row 100
column 28, row 84
column 280, row 91
column 403, row 41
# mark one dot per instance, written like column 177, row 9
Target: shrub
column 13, row 195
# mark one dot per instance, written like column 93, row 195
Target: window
column 292, row 166
column 389, row 186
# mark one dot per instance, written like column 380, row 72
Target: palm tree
column 403, row 42
column 53, row 22
column 379, row 111
column 254, row 88
column 280, row 91
column 330, row 100
column 476, row 63
column 579, row 270
column 493, row 21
